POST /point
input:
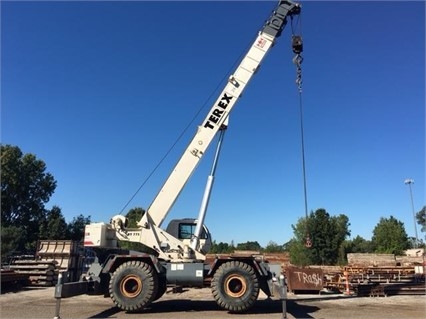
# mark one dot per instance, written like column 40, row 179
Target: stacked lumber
column 380, row 260
column 40, row 273
column 397, row 274
column 64, row 254
column 409, row 260
column 377, row 289
column 372, row 290
column 381, row 274
column 52, row 257
column 376, row 260
column 11, row 280
column 406, row 289
column 11, row 276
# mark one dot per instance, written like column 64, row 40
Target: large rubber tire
column 162, row 287
column 235, row 286
column 133, row 286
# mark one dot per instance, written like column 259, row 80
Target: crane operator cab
column 183, row 229
column 101, row 235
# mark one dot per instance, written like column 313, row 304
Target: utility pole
column 409, row 182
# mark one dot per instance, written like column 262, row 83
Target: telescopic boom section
column 220, row 110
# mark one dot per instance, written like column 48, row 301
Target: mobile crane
column 177, row 255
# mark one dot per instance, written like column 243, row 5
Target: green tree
column 273, row 247
column 344, row 249
column 134, row 215
column 327, row 234
column 25, row 188
column 390, row 237
column 299, row 253
column 361, row 245
column 356, row 245
column 249, row 245
column 76, row 227
column 221, row 248
column 54, row 226
column 421, row 218
column 13, row 240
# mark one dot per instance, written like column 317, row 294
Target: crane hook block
column 308, row 243
column 297, row 44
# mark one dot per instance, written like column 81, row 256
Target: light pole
column 408, row 182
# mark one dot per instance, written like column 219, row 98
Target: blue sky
column 101, row 90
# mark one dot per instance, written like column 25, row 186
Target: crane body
column 177, row 255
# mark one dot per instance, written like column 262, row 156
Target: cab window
column 186, row 231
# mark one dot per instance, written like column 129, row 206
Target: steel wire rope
column 185, row 129
column 305, row 188
column 298, row 59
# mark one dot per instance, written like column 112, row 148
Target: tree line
column 25, row 189
column 320, row 238
column 325, row 241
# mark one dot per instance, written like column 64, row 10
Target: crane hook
column 308, row 242
column 297, row 45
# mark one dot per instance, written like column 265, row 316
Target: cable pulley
column 297, row 44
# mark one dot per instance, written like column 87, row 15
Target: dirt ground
column 197, row 303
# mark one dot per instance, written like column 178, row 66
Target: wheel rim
column 235, row 286
column 131, row 286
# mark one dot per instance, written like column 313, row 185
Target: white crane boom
column 220, row 110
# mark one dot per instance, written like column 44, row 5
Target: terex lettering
column 218, row 111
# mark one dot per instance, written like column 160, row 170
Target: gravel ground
column 195, row 303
